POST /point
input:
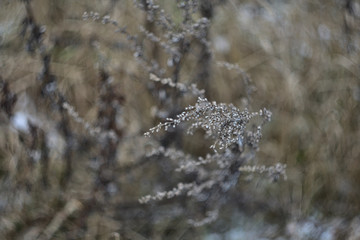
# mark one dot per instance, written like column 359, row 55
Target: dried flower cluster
column 93, row 131
column 187, row 163
column 181, row 187
column 224, row 123
column 211, row 216
column 273, row 171
column 192, row 89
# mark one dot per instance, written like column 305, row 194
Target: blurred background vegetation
column 303, row 59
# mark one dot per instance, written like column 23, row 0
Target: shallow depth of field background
column 303, row 59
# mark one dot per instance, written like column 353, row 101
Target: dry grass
column 303, row 59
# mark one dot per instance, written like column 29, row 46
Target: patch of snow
column 20, row 121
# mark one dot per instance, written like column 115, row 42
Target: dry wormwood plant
column 207, row 181
column 235, row 133
column 228, row 126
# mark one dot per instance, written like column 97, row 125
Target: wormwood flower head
column 224, row 123
column 273, row 171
